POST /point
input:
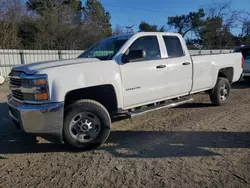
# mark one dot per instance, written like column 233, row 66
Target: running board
column 158, row 107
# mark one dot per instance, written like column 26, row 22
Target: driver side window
column 150, row 45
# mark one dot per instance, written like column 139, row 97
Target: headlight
column 40, row 82
column 34, row 82
column 31, row 89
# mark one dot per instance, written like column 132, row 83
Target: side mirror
column 134, row 55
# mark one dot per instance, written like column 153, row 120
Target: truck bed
column 205, row 69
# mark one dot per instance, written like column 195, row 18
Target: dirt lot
column 195, row 145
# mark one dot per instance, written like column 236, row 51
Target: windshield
column 105, row 49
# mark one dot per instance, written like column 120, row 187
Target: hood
column 32, row 68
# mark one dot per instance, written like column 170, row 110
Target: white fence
column 11, row 58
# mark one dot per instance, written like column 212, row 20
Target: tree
column 246, row 28
column 52, row 24
column 186, row 23
column 118, row 30
column 57, row 29
column 146, row 27
column 244, row 36
column 214, row 36
column 221, row 18
column 27, row 32
column 96, row 15
column 10, row 16
column 42, row 6
column 225, row 11
column 67, row 24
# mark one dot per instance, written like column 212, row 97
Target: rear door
column 179, row 76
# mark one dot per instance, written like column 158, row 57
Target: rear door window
column 173, row 46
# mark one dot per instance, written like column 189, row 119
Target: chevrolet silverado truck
column 75, row 99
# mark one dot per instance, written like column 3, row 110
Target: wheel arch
column 227, row 72
column 104, row 94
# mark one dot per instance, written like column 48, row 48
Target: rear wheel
column 219, row 95
column 86, row 124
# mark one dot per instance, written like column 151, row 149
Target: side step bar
column 168, row 104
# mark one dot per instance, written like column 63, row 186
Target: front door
column 144, row 81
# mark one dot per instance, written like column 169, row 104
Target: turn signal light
column 42, row 96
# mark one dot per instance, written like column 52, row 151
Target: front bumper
column 38, row 119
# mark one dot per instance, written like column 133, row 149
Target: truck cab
column 149, row 68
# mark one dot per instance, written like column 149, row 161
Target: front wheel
column 219, row 95
column 86, row 124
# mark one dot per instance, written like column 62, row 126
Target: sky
column 132, row 12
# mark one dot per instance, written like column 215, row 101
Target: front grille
column 18, row 95
column 15, row 81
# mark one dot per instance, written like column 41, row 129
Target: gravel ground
column 195, row 145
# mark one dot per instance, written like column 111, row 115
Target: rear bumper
column 241, row 77
column 246, row 74
column 38, row 119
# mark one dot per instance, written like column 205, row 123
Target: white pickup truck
column 75, row 99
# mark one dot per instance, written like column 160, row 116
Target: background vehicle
column 245, row 50
column 126, row 74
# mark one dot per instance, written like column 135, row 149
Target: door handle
column 186, row 63
column 161, row 66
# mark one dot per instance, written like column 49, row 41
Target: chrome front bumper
column 39, row 119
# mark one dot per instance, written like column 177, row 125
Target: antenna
column 129, row 29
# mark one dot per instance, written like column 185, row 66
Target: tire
column 87, row 114
column 216, row 94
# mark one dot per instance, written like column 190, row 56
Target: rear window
column 173, row 46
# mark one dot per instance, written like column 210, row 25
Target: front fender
column 72, row 77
